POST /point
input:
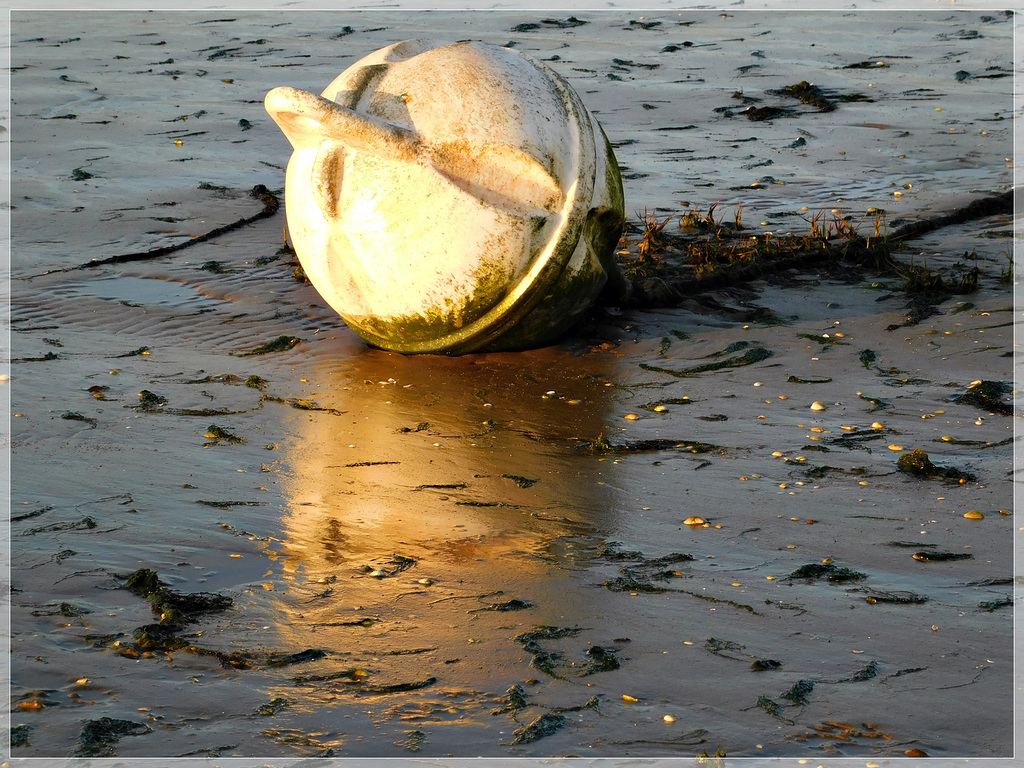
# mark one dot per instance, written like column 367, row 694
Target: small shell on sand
column 818, row 406
column 974, row 515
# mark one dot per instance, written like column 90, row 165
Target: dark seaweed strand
column 636, row 296
column 271, row 204
column 977, row 209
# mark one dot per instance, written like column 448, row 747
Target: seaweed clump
column 830, row 572
column 515, row 700
column 600, row 659
column 919, row 464
column 280, row 344
column 98, row 736
column 150, row 401
column 988, row 396
column 809, row 94
column 176, row 609
column 546, row 661
column 800, row 692
column 545, row 725
column 642, row 576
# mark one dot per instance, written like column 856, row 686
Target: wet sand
column 488, row 555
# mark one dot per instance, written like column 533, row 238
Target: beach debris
column 522, row 482
column 86, row 523
column 215, row 267
column 515, row 700
column 809, row 94
column 720, row 254
column 763, row 665
column 272, row 707
column 392, row 688
column 280, row 344
column 20, row 735
column 566, row 23
column 878, row 403
column 597, row 658
column 65, row 609
column 799, row 380
column 495, row 227
column 974, row 515
column 413, row 741
column 228, row 504
column 817, row 405
column 546, row 661
column 992, row 605
column 898, row 598
column 843, row 732
column 140, row 351
column 772, row 707
column 712, row 599
column 824, row 339
column 299, row 657
column 602, row 445
column 544, row 725
column 640, row 577
column 939, row 557
column 393, row 567
column 97, row 737
column 600, row 659
column 867, row 672
column 918, row 464
column 150, row 401
column 829, row 571
column 217, row 435
column 988, row 396
column 260, row 192
column 76, row 416
column 724, row 648
column 755, row 354
column 695, row 522
column 515, row 604
column 799, row 692
column 99, row 391
column 176, row 609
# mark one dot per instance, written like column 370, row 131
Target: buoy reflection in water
column 431, row 518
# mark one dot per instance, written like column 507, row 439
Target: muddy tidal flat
column 768, row 517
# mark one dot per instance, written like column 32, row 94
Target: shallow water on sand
column 488, row 555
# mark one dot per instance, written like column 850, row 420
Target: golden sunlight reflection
column 431, row 519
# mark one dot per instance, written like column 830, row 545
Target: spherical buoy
column 451, row 198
